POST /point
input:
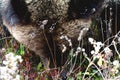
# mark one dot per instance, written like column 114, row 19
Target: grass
column 96, row 57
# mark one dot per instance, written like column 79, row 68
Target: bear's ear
column 15, row 12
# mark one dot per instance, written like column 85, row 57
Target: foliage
column 96, row 57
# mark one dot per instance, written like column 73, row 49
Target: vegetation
column 96, row 57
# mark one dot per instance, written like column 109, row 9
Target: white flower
column 67, row 39
column 9, row 56
column 5, row 62
column 97, row 49
column 28, row 1
column 14, row 68
column 93, row 10
column 78, row 48
column 3, row 49
column 17, row 77
column 92, row 52
column 83, row 50
column 19, row 58
column 70, row 42
column 107, row 50
column 3, row 70
column 116, row 63
column 64, row 48
column 82, row 33
column 91, row 40
column 119, row 39
column 100, row 44
column 62, row 37
column 44, row 22
column 97, row 45
column 10, row 70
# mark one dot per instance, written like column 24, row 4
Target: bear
column 45, row 25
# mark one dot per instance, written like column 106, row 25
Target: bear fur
column 30, row 22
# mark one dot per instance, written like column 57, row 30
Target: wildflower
column 9, row 56
column 3, row 50
column 10, row 69
column 82, row 33
column 28, row 1
column 17, row 77
column 115, row 67
column 64, row 48
column 100, row 62
column 97, row 46
column 116, row 63
column 43, row 23
column 77, row 51
column 62, row 37
column 119, row 39
column 67, row 39
column 19, row 58
column 93, row 10
column 108, row 53
column 91, row 40
column 107, row 49
column 83, row 50
column 92, row 52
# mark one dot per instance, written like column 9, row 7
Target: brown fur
column 24, row 27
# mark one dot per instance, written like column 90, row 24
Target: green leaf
column 40, row 67
column 21, row 50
